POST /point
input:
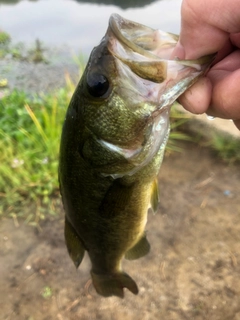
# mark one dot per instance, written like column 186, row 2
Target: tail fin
column 112, row 284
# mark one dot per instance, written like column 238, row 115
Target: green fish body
column 112, row 145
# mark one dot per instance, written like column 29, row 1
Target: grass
column 226, row 147
column 177, row 119
column 30, row 129
column 4, row 38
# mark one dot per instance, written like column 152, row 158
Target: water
column 80, row 25
column 67, row 28
column 210, row 117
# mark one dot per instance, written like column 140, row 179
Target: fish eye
column 97, row 85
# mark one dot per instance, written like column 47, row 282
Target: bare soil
column 192, row 271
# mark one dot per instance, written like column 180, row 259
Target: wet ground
column 192, row 271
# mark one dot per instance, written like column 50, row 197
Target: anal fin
column 74, row 245
column 141, row 248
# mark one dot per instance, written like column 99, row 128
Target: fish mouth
column 133, row 35
column 147, row 52
column 148, row 42
column 134, row 45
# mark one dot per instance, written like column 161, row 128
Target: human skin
column 210, row 26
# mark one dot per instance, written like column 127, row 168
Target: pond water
column 81, row 25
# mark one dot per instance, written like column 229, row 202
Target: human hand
column 210, row 26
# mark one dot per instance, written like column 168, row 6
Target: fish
column 112, row 146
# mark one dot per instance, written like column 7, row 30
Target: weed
column 3, row 83
column 36, row 54
column 46, row 292
column 19, row 51
column 177, row 119
column 4, row 38
column 29, row 142
column 227, row 147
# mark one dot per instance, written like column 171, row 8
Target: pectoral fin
column 74, row 245
column 155, row 196
column 141, row 248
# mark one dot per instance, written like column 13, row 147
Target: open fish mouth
column 148, row 42
column 139, row 38
column 147, row 53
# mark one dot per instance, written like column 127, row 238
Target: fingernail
column 178, row 52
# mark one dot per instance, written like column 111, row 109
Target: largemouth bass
column 113, row 140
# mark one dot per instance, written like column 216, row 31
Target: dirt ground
column 192, row 271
